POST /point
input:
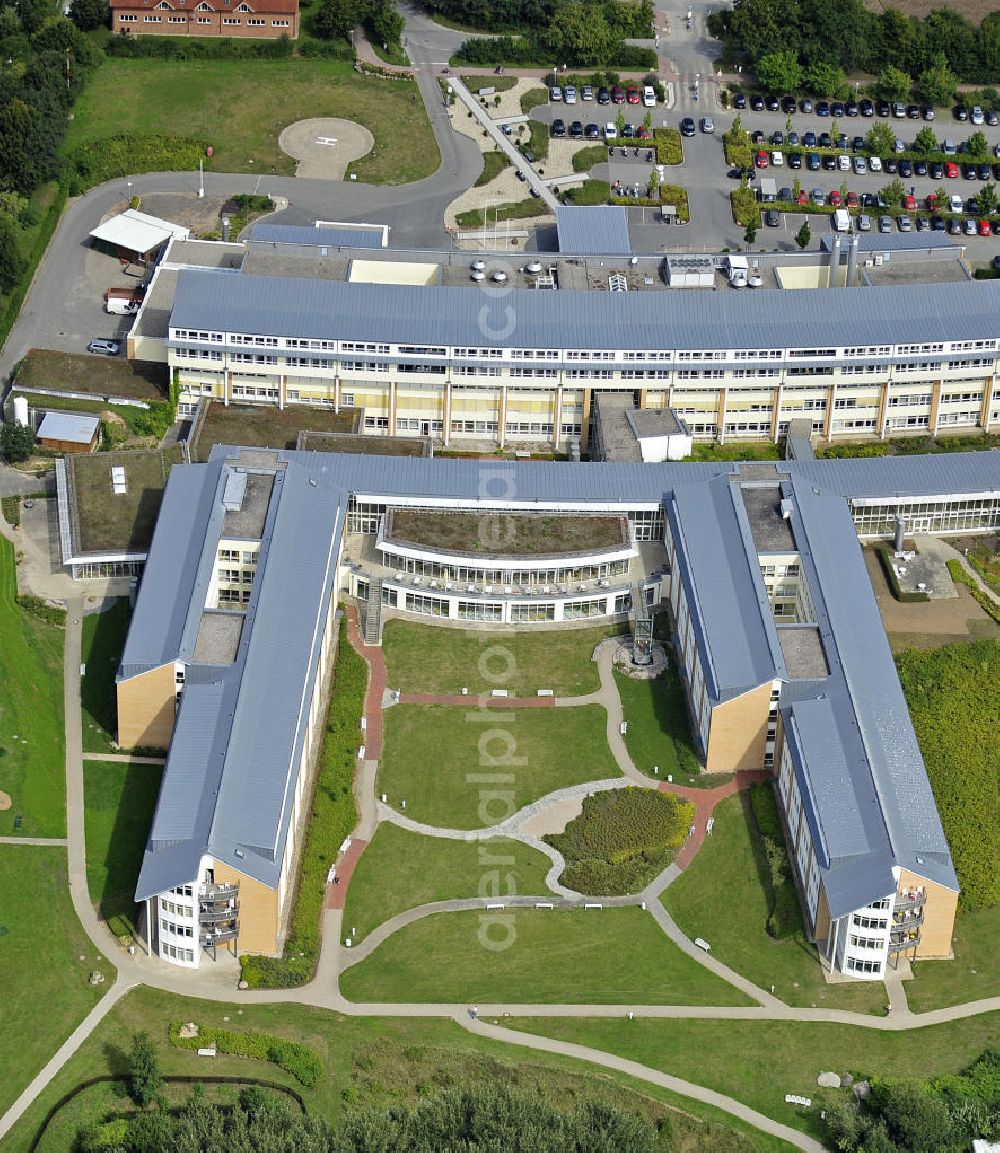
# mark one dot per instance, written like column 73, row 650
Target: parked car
column 899, row 110
column 687, row 126
column 863, row 223
column 890, row 164
column 927, row 112
column 993, row 118
column 853, row 200
column 936, row 170
column 586, row 92
column 920, row 168
column 984, row 171
column 649, row 95
column 556, row 94
column 707, row 125
column 851, row 107
column 860, row 167
column 788, row 105
column 823, row 108
column 809, row 140
column 905, row 169
column 885, row 224
column 818, row 196
column 866, row 108
column 757, row 103
column 806, row 105
column 592, row 132
column 837, row 108
column 882, row 108
column 955, row 226
column 812, row 161
column 912, row 112
column 970, row 227
column 633, row 97
column 610, row 131
column 104, row 347
column 829, row 162
column 761, row 159
column 844, row 163
column 793, row 138
column 874, row 164
column 795, row 160
column 576, row 130
column 834, row 199
column 977, row 116
column 603, row 96
column 777, row 159
column 739, row 102
column 785, row 193
column 909, row 202
column 558, row 127
column 923, row 224
column 904, row 223
column 825, row 140
column 858, row 144
column 772, row 218
column 867, row 199
column 961, row 113
column 617, row 95
column 569, row 94
column 984, row 228
column 771, row 103
column 937, row 224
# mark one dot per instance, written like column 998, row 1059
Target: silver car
column 863, row 223
column 904, row 223
column 885, row 224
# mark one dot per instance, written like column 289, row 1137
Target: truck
column 122, row 301
column 841, row 220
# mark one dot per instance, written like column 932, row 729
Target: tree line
column 827, row 41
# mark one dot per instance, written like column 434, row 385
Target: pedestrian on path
column 474, row 1012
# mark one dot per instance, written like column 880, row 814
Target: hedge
column 11, row 506
column 40, row 607
column 668, row 145
column 332, row 817
column 116, row 156
column 986, row 603
column 785, row 916
column 303, row 1063
column 587, row 157
column 853, row 451
column 886, row 558
column 184, row 48
column 954, row 698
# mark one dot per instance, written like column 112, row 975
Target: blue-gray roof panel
column 593, row 229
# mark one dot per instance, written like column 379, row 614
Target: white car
column 874, row 164
column 707, row 125
column 860, row 167
column 569, row 95
column 777, row 160
column 977, row 116
column 649, row 95
column 844, row 163
column 610, row 131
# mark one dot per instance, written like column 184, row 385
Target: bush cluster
column 303, row 1063
column 852, row 451
column 115, row 156
column 785, row 916
column 669, row 149
column 961, row 683
column 39, row 607
column 621, row 840
column 332, row 818
column 185, row 48
column 526, row 52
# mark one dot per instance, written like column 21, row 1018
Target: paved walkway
column 124, row 758
column 479, row 700
column 947, row 552
column 38, row 842
column 345, row 870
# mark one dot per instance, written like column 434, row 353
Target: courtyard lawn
column 536, row 956
column 758, row 1062
column 241, row 106
column 119, row 800
column 400, row 870
column 659, row 734
column 32, row 744
column 45, row 983
column 432, row 659
column 103, row 640
column 971, row 975
column 369, row 1063
column 720, row 896
column 461, row 768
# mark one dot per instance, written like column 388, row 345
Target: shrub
column 906, row 598
column 669, row 149
column 746, row 210
column 533, row 98
column 40, row 607
column 303, row 1063
column 115, row 156
column 11, row 506
column 145, row 1080
column 622, row 839
column 332, row 818
column 587, row 157
column 589, row 192
column 785, row 916
column 842, row 451
column 184, row 48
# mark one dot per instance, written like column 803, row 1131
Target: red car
column 762, row 159
column 802, row 199
column 834, row 198
column 951, row 170
column 852, row 200
column 984, row 228
column 617, row 95
column 932, row 202
column 632, row 96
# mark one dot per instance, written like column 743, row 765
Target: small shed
column 69, row 431
column 768, row 190
column 137, row 234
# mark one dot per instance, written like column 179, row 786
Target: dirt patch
column 201, row 216
column 973, row 10
column 325, row 146
column 5, row 802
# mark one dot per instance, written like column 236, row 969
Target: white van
column 649, row 95
column 610, row 131
column 841, row 220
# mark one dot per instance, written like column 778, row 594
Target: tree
column 647, row 121
column 16, row 441
column 978, row 145
column 11, row 261
column 780, row 71
column 925, row 141
column 751, row 233
column 894, row 83
column 987, row 200
column 620, row 121
column 578, row 34
column 384, row 22
column 89, row 14
column 937, row 84
column 803, row 236
column 880, row 140
column 894, row 192
column 144, row 1069
column 334, row 19
column 824, row 79
column 654, row 183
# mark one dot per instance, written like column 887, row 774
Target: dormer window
column 244, row 8
column 203, row 7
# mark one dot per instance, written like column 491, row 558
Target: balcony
column 211, row 894
column 217, row 936
column 906, row 901
column 903, row 939
column 907, row 917
column 214, row 914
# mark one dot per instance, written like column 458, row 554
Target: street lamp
column 130, row 192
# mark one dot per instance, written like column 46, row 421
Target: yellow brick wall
column 146, row 705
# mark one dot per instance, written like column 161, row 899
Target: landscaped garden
column 524, row 956
column 658, row 736
column 241, row 106
column 466, row 768
column 32, row 748
column 428, row 659
column 723, row 896
column 102, row 644
column 45, row 964
column 367, row 1063
column 119, row 800
column 622, row 840
column 400, row 870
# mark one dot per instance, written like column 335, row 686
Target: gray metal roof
column 734, row 630
column 75, row 427
column 419, row 315
column 600, row 229
column 344, row 237
column 890, row 242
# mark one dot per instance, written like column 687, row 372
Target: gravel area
column 553, row 819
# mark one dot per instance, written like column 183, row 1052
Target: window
column 204, row 19
column 127, row 17
column 255, row 22
column 857, row 966
column 152, row 20
column 279, row 23
column 230, row 20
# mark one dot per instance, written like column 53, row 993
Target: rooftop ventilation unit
column 617, row 282
column 234, row 492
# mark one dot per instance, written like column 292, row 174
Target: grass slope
column 241, row 106
column 45, row 984
column 370, row 1062
column 429, row 659
column 400, row 870
column 103, row 640
column 32, row 745
column 119, row 801
column 721, row 896
column 461, row 775
column 536, row 956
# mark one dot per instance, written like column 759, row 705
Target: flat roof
column 771, row 531
column 330, row 235
column 137, row 231
column 802, row 648
column 309, row 441
column 589, row 229
column 73, row 427
column 218, row 637
column 503, row 535
column 247, row 522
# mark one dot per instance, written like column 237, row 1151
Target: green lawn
column 103, row 641
column 972, row 975
column 32, row 745
column 758, row 1062
column 429, row 659
column 400, row 870
column 528, row 956
column 659, row 734
column 241, row 106
column 493, row 164
column 720, row 897
column 370, row 1062
column 45, row 984
column 444, row 760
column 119, row 800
